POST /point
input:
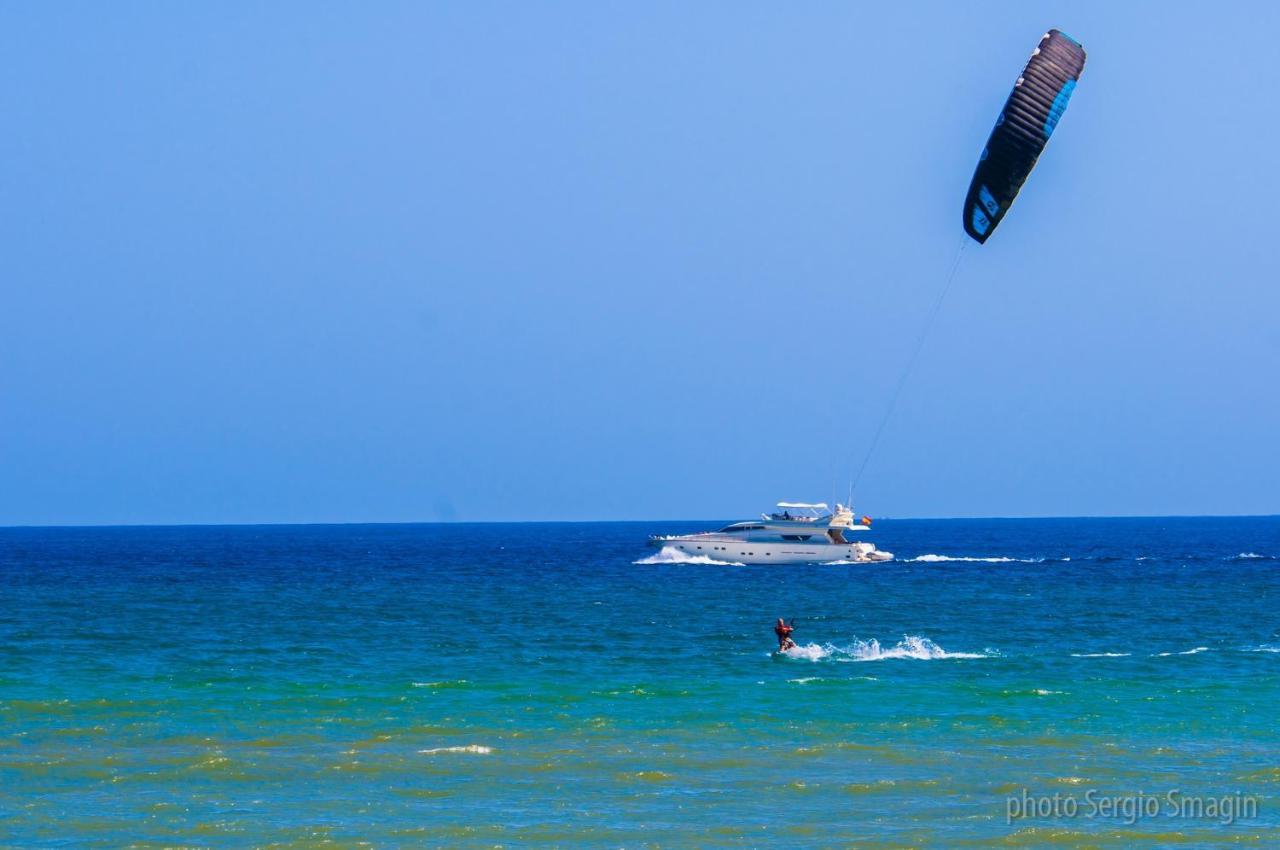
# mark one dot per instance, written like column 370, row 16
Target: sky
column 301, row 262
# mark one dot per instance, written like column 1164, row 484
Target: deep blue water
column 531, row 684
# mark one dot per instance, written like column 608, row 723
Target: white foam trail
column 995, row 559
column 1101, row 654
column 938, row 559
column 672, row 555
column 911, row 646
column 1264, row 648
column 477, row 749
column 1193, row 651
column 804, row 680
column 1248, row 556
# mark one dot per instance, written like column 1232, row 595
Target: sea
column 1011, row 683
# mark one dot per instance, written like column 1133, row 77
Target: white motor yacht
column 796, row 533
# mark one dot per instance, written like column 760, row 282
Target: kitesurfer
column 783, row 631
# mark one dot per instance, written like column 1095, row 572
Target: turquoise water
column 532, row 685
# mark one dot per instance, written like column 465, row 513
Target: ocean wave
column 475, row 749
column 1188, row 556
column 911, row 646
column 1193, row 651
column 672, row 555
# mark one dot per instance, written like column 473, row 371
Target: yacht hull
column 770, row 552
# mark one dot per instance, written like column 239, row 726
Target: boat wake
column 995, row 559
column 1002, row 559
column 672, row 555
column 911, row 646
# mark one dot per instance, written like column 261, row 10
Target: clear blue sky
column 366, row 262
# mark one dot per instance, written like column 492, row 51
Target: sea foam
column 1193, row 651
column 994, row 559
column 911, row 646
column 671, row 555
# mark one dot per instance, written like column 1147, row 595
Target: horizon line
column 306, row 524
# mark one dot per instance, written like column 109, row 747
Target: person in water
column 783, row 631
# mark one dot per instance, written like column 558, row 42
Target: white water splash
column 672, row 555
column 995, row 559
column 808, row 652
column 1101, row 654
column 1250, row 556
column 1266, row 647
column 911, row 646
column 1194, row 651
column 475, row 749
